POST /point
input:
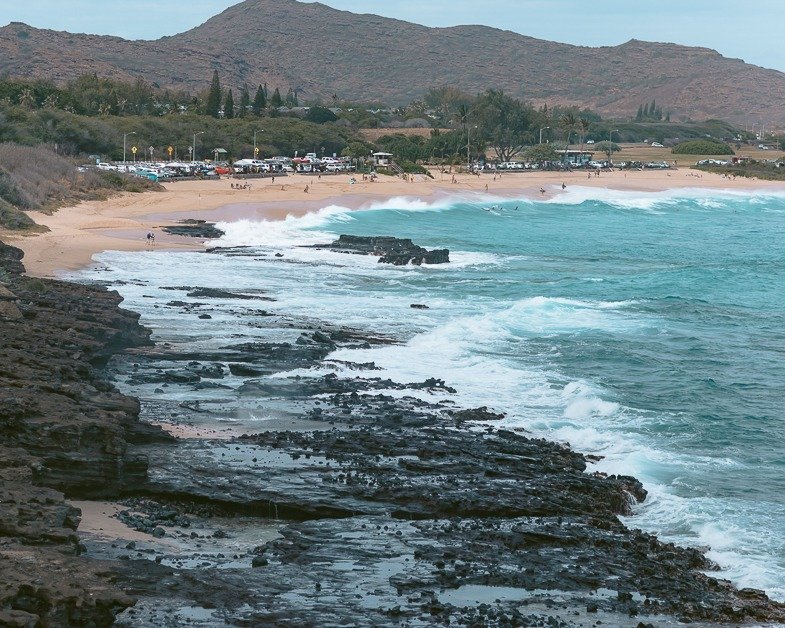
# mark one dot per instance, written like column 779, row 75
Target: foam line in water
column 630, row 199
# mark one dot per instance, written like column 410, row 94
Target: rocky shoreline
column 347, row 505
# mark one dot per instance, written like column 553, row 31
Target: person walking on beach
column 563, row 186
column 486, row 187
column 150, row 238
column 306, row 189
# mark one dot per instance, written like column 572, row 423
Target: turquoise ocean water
column 645, row 328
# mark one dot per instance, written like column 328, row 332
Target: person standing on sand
column 306, row 189
column 563, row 186
column 486, row 187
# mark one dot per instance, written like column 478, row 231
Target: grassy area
column 645, row 152
column 371, row 135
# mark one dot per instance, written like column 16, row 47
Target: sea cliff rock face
column 63, row 429
column 389, row 250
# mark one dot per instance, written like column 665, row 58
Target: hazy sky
column 750, row 30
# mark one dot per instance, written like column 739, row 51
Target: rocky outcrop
column 55, row 403
column 372, row 503
column 63, row 429
column 389, row 250
column 194, row 229
column 392, row 499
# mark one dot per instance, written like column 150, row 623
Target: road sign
column 170, row 150
column 256, row 151
column 133, row 149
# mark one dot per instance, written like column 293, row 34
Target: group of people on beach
column 243, row 186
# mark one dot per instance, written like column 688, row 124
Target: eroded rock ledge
column 63, row 429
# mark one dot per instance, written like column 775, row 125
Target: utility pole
column 193, row 152
column 125, row 135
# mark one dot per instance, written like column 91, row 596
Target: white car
column 656, row 145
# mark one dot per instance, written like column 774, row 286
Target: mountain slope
column 319, row 51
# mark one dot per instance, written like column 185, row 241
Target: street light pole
column 254, row 142
column 610, row 142
column 125, row 135
column 193, row 152
column 541, row 130
column 468, row 147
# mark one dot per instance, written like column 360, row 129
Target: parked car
column 656, row 145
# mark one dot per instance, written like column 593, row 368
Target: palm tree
column 568, row 123
column 26, row 98
column 461, row 116
column 584, row 125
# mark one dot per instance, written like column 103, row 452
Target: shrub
column 702, row 147
column 412, row 168
column 38, row 178
column 15, row 219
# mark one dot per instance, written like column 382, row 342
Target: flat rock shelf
column 356, row 501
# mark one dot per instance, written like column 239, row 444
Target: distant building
column 382, row 160
column 575, row 157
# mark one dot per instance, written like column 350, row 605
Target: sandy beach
column 121, row 222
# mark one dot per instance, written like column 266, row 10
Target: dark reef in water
column 358, row 508
column 194, row 229
column 389, row 250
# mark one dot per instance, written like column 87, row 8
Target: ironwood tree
column 213, row 104
column 504, row 123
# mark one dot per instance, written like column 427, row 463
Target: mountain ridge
column 319, row 51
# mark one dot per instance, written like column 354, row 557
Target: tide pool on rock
column 648, row 329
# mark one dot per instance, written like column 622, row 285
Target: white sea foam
column 650, row 201
column 550, row 315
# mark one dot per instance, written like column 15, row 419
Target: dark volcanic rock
column 195, row 229
column 409, row 508
column 399, row 508
column 63, row 427
column 11, row 259
column 389, row 250
column 213, row 293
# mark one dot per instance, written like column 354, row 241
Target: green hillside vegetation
column 103, row 135
column 36, row 178
column 702, row 147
